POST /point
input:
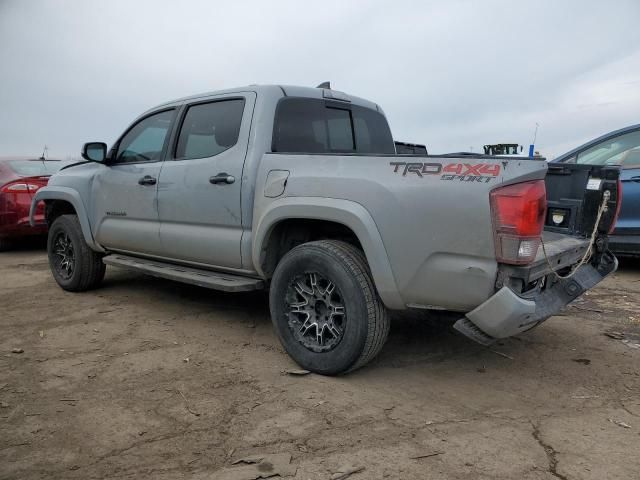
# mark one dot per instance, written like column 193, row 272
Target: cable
column 587, row 255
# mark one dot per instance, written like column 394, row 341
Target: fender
column 346, row 212
column 73, row 197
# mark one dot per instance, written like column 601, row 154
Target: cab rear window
column 307, row 125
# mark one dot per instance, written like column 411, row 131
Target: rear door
column 624, row 150
column 201, row 181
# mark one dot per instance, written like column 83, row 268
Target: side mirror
column 94, row 151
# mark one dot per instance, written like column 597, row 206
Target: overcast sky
column 449, row 74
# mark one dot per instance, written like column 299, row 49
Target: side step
column 195, row 276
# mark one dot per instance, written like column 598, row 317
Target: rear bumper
column 625, row 244
column 506, row 313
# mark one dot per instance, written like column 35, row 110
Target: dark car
column 20, row 179
column 620, row 147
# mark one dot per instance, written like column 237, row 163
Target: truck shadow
column 416, row 337
column 629, row 264
column 28, row 244
column 415, row 334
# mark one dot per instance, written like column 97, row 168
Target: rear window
column 35, row 168
column 306, row 125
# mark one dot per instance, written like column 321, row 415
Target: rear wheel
column 325, row 308
column 74, row 265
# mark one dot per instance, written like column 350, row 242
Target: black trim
column 175, row 133
column 395, row 155
column 338, row 105
column 75, row 164
column 283, row 92
column 625, row 244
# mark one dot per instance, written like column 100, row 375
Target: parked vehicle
column 20, row 179
column 620, row 147
column 299, row 190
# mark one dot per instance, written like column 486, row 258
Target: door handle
column 222, row 178
column 147, row 180
column 635, row 179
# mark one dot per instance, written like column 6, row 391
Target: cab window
column 307, row 125
column 145, row 141
column 209, row 129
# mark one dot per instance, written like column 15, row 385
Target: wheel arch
column 61, row 201
column 333, row 218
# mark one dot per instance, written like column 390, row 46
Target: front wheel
column 73, row 264
column 325, row 308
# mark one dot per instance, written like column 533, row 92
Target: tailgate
column 579, row 199
column 574, row 195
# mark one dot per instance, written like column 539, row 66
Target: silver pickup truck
column 300, row 191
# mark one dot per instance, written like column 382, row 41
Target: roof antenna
column 533, row 142
column 325, row 85
column 44, row 153
column 535, row 133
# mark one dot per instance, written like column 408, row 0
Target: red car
column 20, row 178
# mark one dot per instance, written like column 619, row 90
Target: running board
column 194, row 276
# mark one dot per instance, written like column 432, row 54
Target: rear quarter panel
column 435, row 226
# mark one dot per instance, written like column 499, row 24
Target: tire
column 301, row 307
column 85, row 269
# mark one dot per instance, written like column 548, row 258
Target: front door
column 629, row 218
column 201, row 180
column 624, row 150
column 124, row 201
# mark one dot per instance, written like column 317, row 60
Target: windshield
column 622, row 150
column 35, row 168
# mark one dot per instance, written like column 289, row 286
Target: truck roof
column 276, row 91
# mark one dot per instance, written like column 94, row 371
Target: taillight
column 614, row 220
column 20, row 187
column 518, row 213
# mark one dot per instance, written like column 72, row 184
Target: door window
column 145, row 141
column 209, row 129
column 621, row 150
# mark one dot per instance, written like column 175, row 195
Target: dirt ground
column 149, row 379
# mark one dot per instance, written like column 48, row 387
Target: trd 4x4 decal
column 464, row 172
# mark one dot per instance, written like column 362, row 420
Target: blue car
column 621, row 147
